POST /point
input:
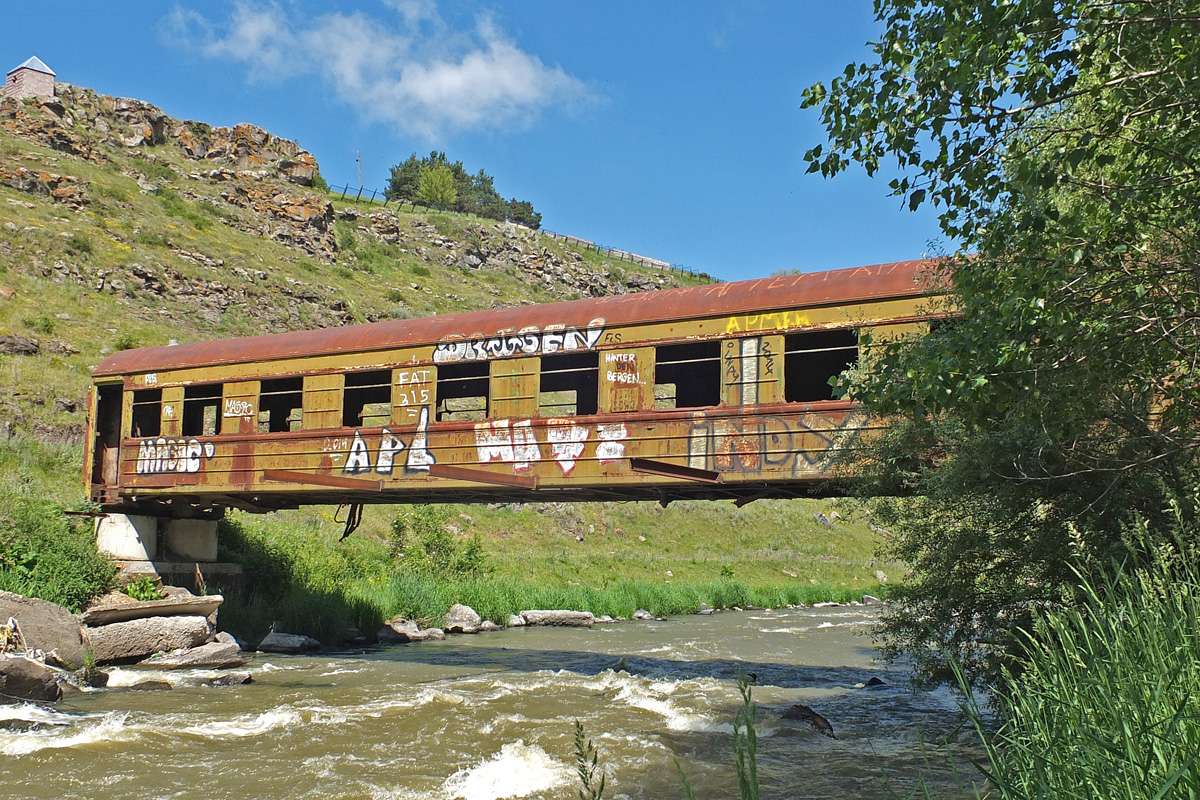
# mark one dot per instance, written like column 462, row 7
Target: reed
column 1105, row 699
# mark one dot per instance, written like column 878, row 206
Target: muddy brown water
column 491, row 716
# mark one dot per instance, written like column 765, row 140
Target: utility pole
column 358, row 167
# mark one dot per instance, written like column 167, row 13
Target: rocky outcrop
column 642, row 614
column 515, row 621
column 462, row 619
column 25, row 679
column 570, row 619
column 139, row 638
column 302, row 220
column 63, row 189
column 214, row 655
column 82, row 122
column 275, row 642
column 46, row 628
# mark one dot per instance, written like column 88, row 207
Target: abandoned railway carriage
column 712, row 391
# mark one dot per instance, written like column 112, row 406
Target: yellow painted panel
column 626, row 379
column 322, row 401
column 514, row 387
column 770, row 369
column 413, row 388
column 239, row 407
column 172, row 410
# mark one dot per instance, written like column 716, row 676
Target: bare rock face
column 25, row 679
column 63, row 189
column 571, row 619
column 214, row 655
column 47, row 627
column 462, row 619
column 138, row 638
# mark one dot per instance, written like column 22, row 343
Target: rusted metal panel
column 239, row 407
column 750, row 299
column 414, row 389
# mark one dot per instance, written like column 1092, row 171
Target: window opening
column 202, row 410
column 811, row 360
column 367, row 399
column 280, row 405
column 687, row 375
column 462, row 391
column 569, row 385
column 147, row 412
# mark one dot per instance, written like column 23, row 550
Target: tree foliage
column 1060, row 144
column 473, row 193
column 436, row 188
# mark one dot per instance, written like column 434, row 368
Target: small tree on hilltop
column 436, row 187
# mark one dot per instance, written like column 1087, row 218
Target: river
column 491, row 716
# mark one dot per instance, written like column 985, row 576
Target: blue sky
column 669, row 129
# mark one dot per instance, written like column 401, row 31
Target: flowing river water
column 492, row 716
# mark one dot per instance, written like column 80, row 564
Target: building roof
column 856, row 284
column 34, row 63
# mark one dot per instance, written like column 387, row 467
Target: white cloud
column 411, row 71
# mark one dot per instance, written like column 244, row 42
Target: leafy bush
column 319, row 183
column 78, row 244
column 144, row 588
column 198, row 215
column 125, row 341
column 421, row 271
column 1103, row 701
column 40, row 324
column 421, row 542
column 45, row 554
column 458, row 189
column 436, row 187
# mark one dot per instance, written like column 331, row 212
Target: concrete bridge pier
column 171, row 549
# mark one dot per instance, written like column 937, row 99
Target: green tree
column 436, row 187
column 1059, row 143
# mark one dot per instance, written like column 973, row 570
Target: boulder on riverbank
column 138, row 638
column 515, row 621
column 214, row 655
column 120, row 607
column 570, row 619
column 275, row 642
column 23, row 678
column 642, row 614
column 45, row 627
column 462, row 619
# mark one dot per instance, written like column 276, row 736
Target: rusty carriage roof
column 855, row 284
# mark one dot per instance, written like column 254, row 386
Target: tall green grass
column 1105, row 701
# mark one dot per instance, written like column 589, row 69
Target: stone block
column 191, row 539
column 128, row 537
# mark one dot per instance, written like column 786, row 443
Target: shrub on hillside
column 422, row 542
column 45, row 554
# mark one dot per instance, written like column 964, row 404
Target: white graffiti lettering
column 162, row 455
column 525, row 446
column 611, row 446
column 391, row 446
column 493, row 441
column 527, row 343
column 566, row 442
column 238, row 408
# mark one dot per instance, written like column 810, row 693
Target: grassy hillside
column 107, row 245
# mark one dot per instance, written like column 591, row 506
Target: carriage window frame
column 146, row 413
column 197, row 398
column 454, row 381
column 279, row 389
column 577, row 373
column 357, row 394
column 693, row 369
column 812, row 358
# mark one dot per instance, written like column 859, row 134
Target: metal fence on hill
column 361, row 194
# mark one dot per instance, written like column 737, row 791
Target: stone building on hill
column 30, row 79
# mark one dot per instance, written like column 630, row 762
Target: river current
column 492, row 716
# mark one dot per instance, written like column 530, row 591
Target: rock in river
column 138, row 638
column 275, row 642
column 214, row 655
column 25, row 679
column 462, row 619
column 573, row 619
column 803, row 713
column 45, row 626
column 642, row 614
column 400, row 629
